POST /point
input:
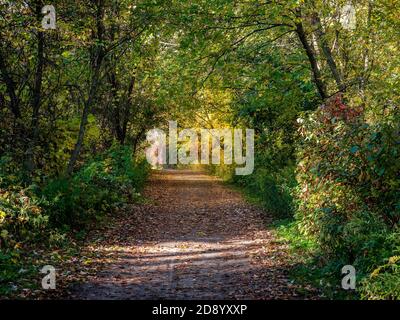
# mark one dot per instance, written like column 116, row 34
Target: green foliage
column 271, row 189
column 348, row 193
column 29, row 214
column 21, row 217
column 288, row 231
column 100, row 185
column 384, row 282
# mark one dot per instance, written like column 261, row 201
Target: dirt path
column 197, row 239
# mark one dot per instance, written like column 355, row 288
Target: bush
column 21, row 217
column 272, row 189
column 384, row 282
column 349, row 188
column 107, row 181
column 26, row 214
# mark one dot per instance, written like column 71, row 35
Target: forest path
column 196, row 239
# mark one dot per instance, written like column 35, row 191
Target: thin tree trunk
column 312, row 59
column 127, row 106
column 36, row 94
column 10, row 87
column 84, row 120
column 316, row 21
column 366, row 52
column 96, row 61
column 137, row 139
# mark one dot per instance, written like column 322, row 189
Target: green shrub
column 272, row 189
column 349, row 187
column 110, row 179
column 21, row 217
column 26, row 214
column 384, row 282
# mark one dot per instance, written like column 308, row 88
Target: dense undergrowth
column 339, row 202
column 349, row 194
column 59, row 212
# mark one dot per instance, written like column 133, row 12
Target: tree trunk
column 36, row 94
column 10, row 87
column 312, row 59
column 97, row 56
column 366, row 53
column 126, row 110
column 316, row 22
column 84, row 120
